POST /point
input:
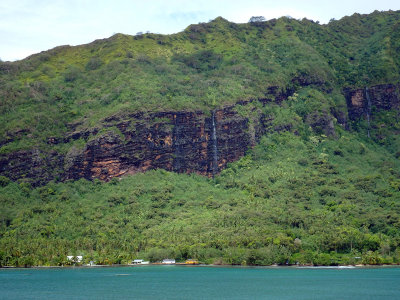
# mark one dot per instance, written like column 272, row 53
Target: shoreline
column 359, row 266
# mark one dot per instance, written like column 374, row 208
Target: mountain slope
column 295, row 124
column 211, row 64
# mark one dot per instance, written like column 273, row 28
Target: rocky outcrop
column 382, row 97
column 179, row 141
column 175, row 141
column 321, row 123
column 34, row 165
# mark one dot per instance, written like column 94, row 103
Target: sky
column 32, row 26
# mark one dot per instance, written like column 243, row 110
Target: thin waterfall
column 368, row 109
column 214, row 144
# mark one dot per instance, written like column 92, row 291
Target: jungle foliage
column 290, row 199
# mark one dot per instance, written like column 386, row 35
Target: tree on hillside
column 256, row 19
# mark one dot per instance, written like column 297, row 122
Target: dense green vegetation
column 297, row 196
column 290, row 200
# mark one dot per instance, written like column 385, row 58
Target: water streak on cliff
column 214, row 144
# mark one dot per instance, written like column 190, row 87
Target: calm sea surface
column 183, row 282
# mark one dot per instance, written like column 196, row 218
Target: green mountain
column 258, row 143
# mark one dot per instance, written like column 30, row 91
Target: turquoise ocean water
column 184, row 282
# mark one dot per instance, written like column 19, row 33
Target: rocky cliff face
column 361, row 102
column 176, row 141
column 37, row 166
column 184, row 142
column 179, row 141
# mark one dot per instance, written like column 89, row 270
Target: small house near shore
column 75, row 259
column 168, row 261
column 140, row 262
